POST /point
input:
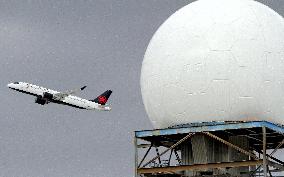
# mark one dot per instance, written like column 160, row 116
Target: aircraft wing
column 62, row 95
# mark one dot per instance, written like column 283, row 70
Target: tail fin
column 102, row 99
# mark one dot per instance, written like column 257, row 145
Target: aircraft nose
column 9, row 85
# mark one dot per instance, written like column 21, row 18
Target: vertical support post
column 259, row 166
column 264, row 152
column 169, row 163
column 269, row 171
column 158, row 154
column 136, row 156
column 178, row 159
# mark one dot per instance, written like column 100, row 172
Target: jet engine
column 47, row 95
column 40, row 100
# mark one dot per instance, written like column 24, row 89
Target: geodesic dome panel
column 220, row 60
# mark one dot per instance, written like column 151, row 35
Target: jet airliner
column 45, row 96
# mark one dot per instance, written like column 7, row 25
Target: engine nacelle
column 40, row 100
column 47, row 95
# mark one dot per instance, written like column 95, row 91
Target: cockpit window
column 16, row 83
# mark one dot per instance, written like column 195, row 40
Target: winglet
column 83, row 88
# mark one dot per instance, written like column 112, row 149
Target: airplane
column 45, row 96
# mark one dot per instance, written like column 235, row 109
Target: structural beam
column 177, row 156
column 275, row 165
column 135, row 156
column 231, row 145
column 221, row 127
column 264, row 166
column 271, row 157
column 169, row 163
column 257, row 172
column 159, row 157
column 172, row 147
column 145, row 155
column 144, row 145
column 279, row 145
column 198, row 167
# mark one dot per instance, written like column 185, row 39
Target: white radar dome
column 216, row 60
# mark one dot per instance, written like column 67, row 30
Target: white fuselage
column 67, row 100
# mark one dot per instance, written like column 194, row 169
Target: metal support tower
column 259, row 137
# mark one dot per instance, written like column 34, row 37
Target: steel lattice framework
column 262, row 136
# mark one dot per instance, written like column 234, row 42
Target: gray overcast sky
column 64, row 45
